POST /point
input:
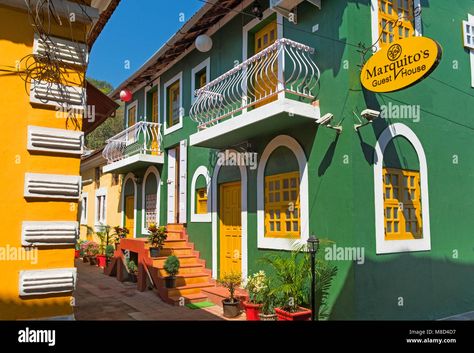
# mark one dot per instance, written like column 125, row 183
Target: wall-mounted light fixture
column 325, row 121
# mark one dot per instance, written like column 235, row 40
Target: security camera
column 370, row 114
column 325, row 119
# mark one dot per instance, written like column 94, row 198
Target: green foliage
column 120, row 233
column 132, row 266
column 111, row 126
column 257, row 287
column 231, row 281
column 171, row 265
column 109, row 251
column 156, row 236
column 325, row 274
column 291, row 278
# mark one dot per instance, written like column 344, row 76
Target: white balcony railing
column 284, row 67
column 141, row 138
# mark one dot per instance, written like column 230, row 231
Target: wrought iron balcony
column 283, row 70
column 140, row 143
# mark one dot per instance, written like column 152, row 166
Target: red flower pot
column 302, row 314
column 252, row 311
column 101, row 260
column 77, row 254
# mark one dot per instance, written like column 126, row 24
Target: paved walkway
column 101, row 297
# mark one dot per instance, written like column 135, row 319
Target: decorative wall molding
column 56, row 186
column 57, row 95
column 41, row 282
column 55, row 140
column 48, row 233
column 61, row 49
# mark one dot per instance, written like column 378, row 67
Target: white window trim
column 155, row 83
column 470, row 19
column 280, row 243
column 205, row 64
column 245, row 35
column 130, row 176
column 131, row 105
column 205, row 217
column 178, row 77
column 97, row 223
column 243, row 215
column 374, row 12
column 395, row 246
column 84, row 211
column 151, row 170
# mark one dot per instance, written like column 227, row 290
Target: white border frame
column 155, row 83
column 178, row 77
column 470, row 19
column 205, row 217
column 151, row 170
column 97, row 223
column 204, row 64
column 243, row 195
column 374, row 14
column 280, row 243
column 130, row 176
column 395, row 246
column 84, row 212
column 131, row 105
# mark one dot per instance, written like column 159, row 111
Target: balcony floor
column 271, row 117
column 132, row 163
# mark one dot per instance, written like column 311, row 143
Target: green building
column 264, row 135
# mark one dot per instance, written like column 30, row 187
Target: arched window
column 129, row 203
column 200, row 190
column 401, row 192
column 150, row 198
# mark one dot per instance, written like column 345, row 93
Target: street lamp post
column 313, row 245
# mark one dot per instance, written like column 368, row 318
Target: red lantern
column 125, row 95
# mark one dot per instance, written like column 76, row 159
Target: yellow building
column 100, row 198
column 44, row 54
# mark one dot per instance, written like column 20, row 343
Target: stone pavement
column 101, row 297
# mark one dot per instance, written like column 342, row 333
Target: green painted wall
column 431, row 284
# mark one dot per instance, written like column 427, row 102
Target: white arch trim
column 151, row 170
column 243, row 195
column 130, row 176
column 393, row 246
column 202, row 170
column 280, row 243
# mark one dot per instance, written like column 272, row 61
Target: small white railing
column 284, row 67
column 141, row 138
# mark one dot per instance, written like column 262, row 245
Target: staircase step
column 188, row 298
column 158, row 262
column 175, row 226
column 183, row 269
column 178, row 251
column 170, row 243
column 192, row 278
column 195, row 288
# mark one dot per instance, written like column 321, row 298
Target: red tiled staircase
column 192, row 277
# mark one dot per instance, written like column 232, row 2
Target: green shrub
column 132, row 266
column 109, row 251
column 171, row 265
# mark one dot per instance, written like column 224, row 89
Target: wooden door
column 230, row 228
column 267, row 79
column 129, row 215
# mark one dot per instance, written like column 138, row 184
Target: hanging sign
column 401, row 64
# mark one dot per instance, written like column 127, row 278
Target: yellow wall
column 16, row 41
column 113, row 211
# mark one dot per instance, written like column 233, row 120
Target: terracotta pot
column 231, row 309
column 101, row 260
column 302, row 314
column 252, row 311
column 268, row 317
column 77, row 254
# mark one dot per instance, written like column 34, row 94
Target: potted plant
column 267, row 311
column 109, row 251
column 101, row 258
column 231, row 305
column 156, row 238
column 77, row 249
column 83, row 251
column 92, row 252
column 171, row 267
column 119, row 233
column 256, row 287
column 292, row 275
column 132, row 270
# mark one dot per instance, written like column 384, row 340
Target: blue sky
column 135, row 31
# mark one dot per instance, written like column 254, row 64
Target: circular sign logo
column 394, row 52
